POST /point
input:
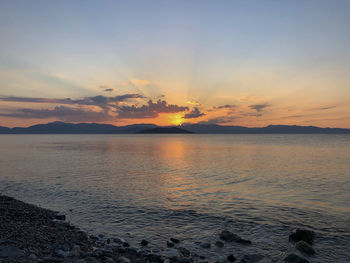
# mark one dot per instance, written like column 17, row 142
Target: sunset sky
column 248, row 63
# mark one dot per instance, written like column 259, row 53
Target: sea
column 191, row 187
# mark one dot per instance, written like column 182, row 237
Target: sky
column 246, row 63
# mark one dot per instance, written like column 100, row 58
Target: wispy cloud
column 60, row 112
column 259, row 107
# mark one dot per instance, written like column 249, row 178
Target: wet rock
column 171, row 253
column 170, row 244
column 62, row 253
column 205, row 245
column 231, row 258
column 231, row 237
column 219, row 244
column 60, row 217
column 108, row 260
column 123, row 260
column 144, row 242
column 131, row 251
column 75, row 251
column 10, row 252
column 293, row 258
column 302, row 234
column 252, row 258
column 32, row 256
column 52, row 260
column 118, row 240
column 175, row 240
column 126, row 244
column 91, row 260
column 305, row 247
column 184, row 251
column 92, row 237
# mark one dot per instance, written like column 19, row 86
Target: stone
column 231, row 258
column 144, row 242
column 170, row 244
column 252, row 258
column 118, row 240
column 171, row 253
column 205, row 245
column 219, row 244
column 293, row 258
column 32, row 256
column 305, row 247
column 60, row 217
column 126, row 244
column 62, row 253
column 75, row 251
column 231, row 237
column 123, row 260
column 184, row 251
column 175, row 240
column 9, row 251
column 302, row 234
column 108, row 260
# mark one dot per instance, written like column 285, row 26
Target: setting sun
column 177, row 119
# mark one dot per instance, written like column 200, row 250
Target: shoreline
column 29, row 233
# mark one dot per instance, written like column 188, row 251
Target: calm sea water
column 190, row 187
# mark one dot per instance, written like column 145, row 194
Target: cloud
column 60, row 112
column 195, row 103
column 259, row 107
column 150, row 110
column 195, row 113
column 327, row 107
column 227, row 106
column 100, row 101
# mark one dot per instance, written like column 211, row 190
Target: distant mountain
column 165, row 130
column 271, row 129
column 95, row 128
column 76, row 128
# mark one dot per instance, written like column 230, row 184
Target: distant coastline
column 95, row 128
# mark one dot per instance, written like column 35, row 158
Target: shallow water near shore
column 191, row 187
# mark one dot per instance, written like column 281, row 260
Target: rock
column 101, row 236
column 92, row 237
column 252, row 258
column 108, row 260
column 10, row 252
column 126, row 244
column 52, row 260
column 302, row 234
column 170, row 244
column 60, row 217
column 123, row 260
column 184, row 251
column 32, row 256
column 131, row 251
column 62, row 253
column 91, row 260
column 175, row 240
column 118, row 240
column 144, row 242
column 219, row 244
column 293, row 258
column 81, row 261
column 75, row 251
column 171, row 253
column 231, row 237
column 305, row 247
column 231, row 258
column 205, row 245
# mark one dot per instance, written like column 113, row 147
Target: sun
column 177, row 119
